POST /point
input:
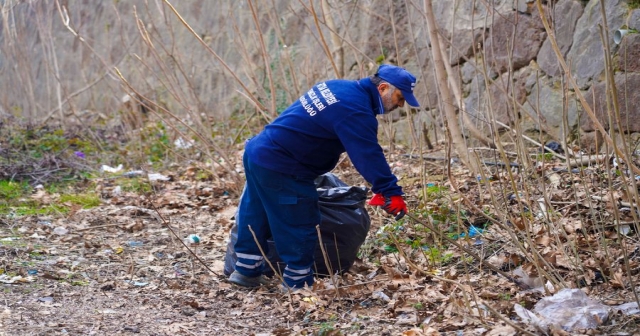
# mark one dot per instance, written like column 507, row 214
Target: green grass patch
column 30, row 209
column 10, row 190
column 87, row 201
column 546, row 157
column 136, row 185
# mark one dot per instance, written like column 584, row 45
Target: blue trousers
column 284, row 207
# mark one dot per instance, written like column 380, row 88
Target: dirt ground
column 121, row 268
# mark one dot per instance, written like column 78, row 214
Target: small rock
column 188, row 311
column 132, row 329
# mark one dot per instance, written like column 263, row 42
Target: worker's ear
column 382, row 88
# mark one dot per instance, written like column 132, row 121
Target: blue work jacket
column 335, row 116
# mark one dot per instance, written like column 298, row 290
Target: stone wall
column 524, row 82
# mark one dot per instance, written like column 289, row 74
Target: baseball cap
column 402, row 79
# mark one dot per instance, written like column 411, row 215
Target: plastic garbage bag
column 344, row 226
column 569, row 309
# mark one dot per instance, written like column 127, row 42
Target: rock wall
column 524, row 82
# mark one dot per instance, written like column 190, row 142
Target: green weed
column 85, row 200
column 12, row 190
column 31, row 209
column 136, row 185
column 437, row 256
column 545, row 157
column 328, row 328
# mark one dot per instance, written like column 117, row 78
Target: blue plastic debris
column 134, row 243
column 473, row 231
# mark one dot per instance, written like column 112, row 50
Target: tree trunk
column 451, row 122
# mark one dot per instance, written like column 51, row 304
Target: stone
column 628, row 55
column 591, row 142
column 426, row 87
column 501, row 93
column 565, row 15
column 503, row 47
column 462, row 44
column 586, row 56
column 545, row 106
column 474, row 105
column 628, row 101
column 468, row 14
column 524, row 6
column 633, row 21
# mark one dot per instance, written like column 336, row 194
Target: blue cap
column 402, row 79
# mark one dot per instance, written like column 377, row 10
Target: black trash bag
column 344, row 226
column 553, row 146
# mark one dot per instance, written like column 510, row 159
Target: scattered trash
column 108, row 169
column 624, row 229
column 310, row 299
column 473, row 231
column 178, row 271
column 569, row 309
column 133, row 173
column 380, row 295
column 183, row 144
column 629, row 308
column 158, row 177
column 119, row 249
column 4, row 278
column 45, row 299
column 60, row 231
column 32, row 272
column 10, row 239
column 136, row 283
column 192, row 239
column 134, row 243
column 554, row 146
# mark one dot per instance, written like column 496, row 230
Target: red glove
column 377, row 200
column 393, row 205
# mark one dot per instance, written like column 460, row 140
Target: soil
column 124, row 268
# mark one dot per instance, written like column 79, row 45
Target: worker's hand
column 393, row 205
column 377, row 200
column 396, row 206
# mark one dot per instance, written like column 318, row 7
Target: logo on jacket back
column 314, row 104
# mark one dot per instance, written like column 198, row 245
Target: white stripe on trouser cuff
column 302, row 271
column 249, row 256
column 256, row 265
column 295, row 278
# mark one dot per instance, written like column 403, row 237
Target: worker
column 280, row 200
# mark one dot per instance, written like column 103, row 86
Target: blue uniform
column 281, row 163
